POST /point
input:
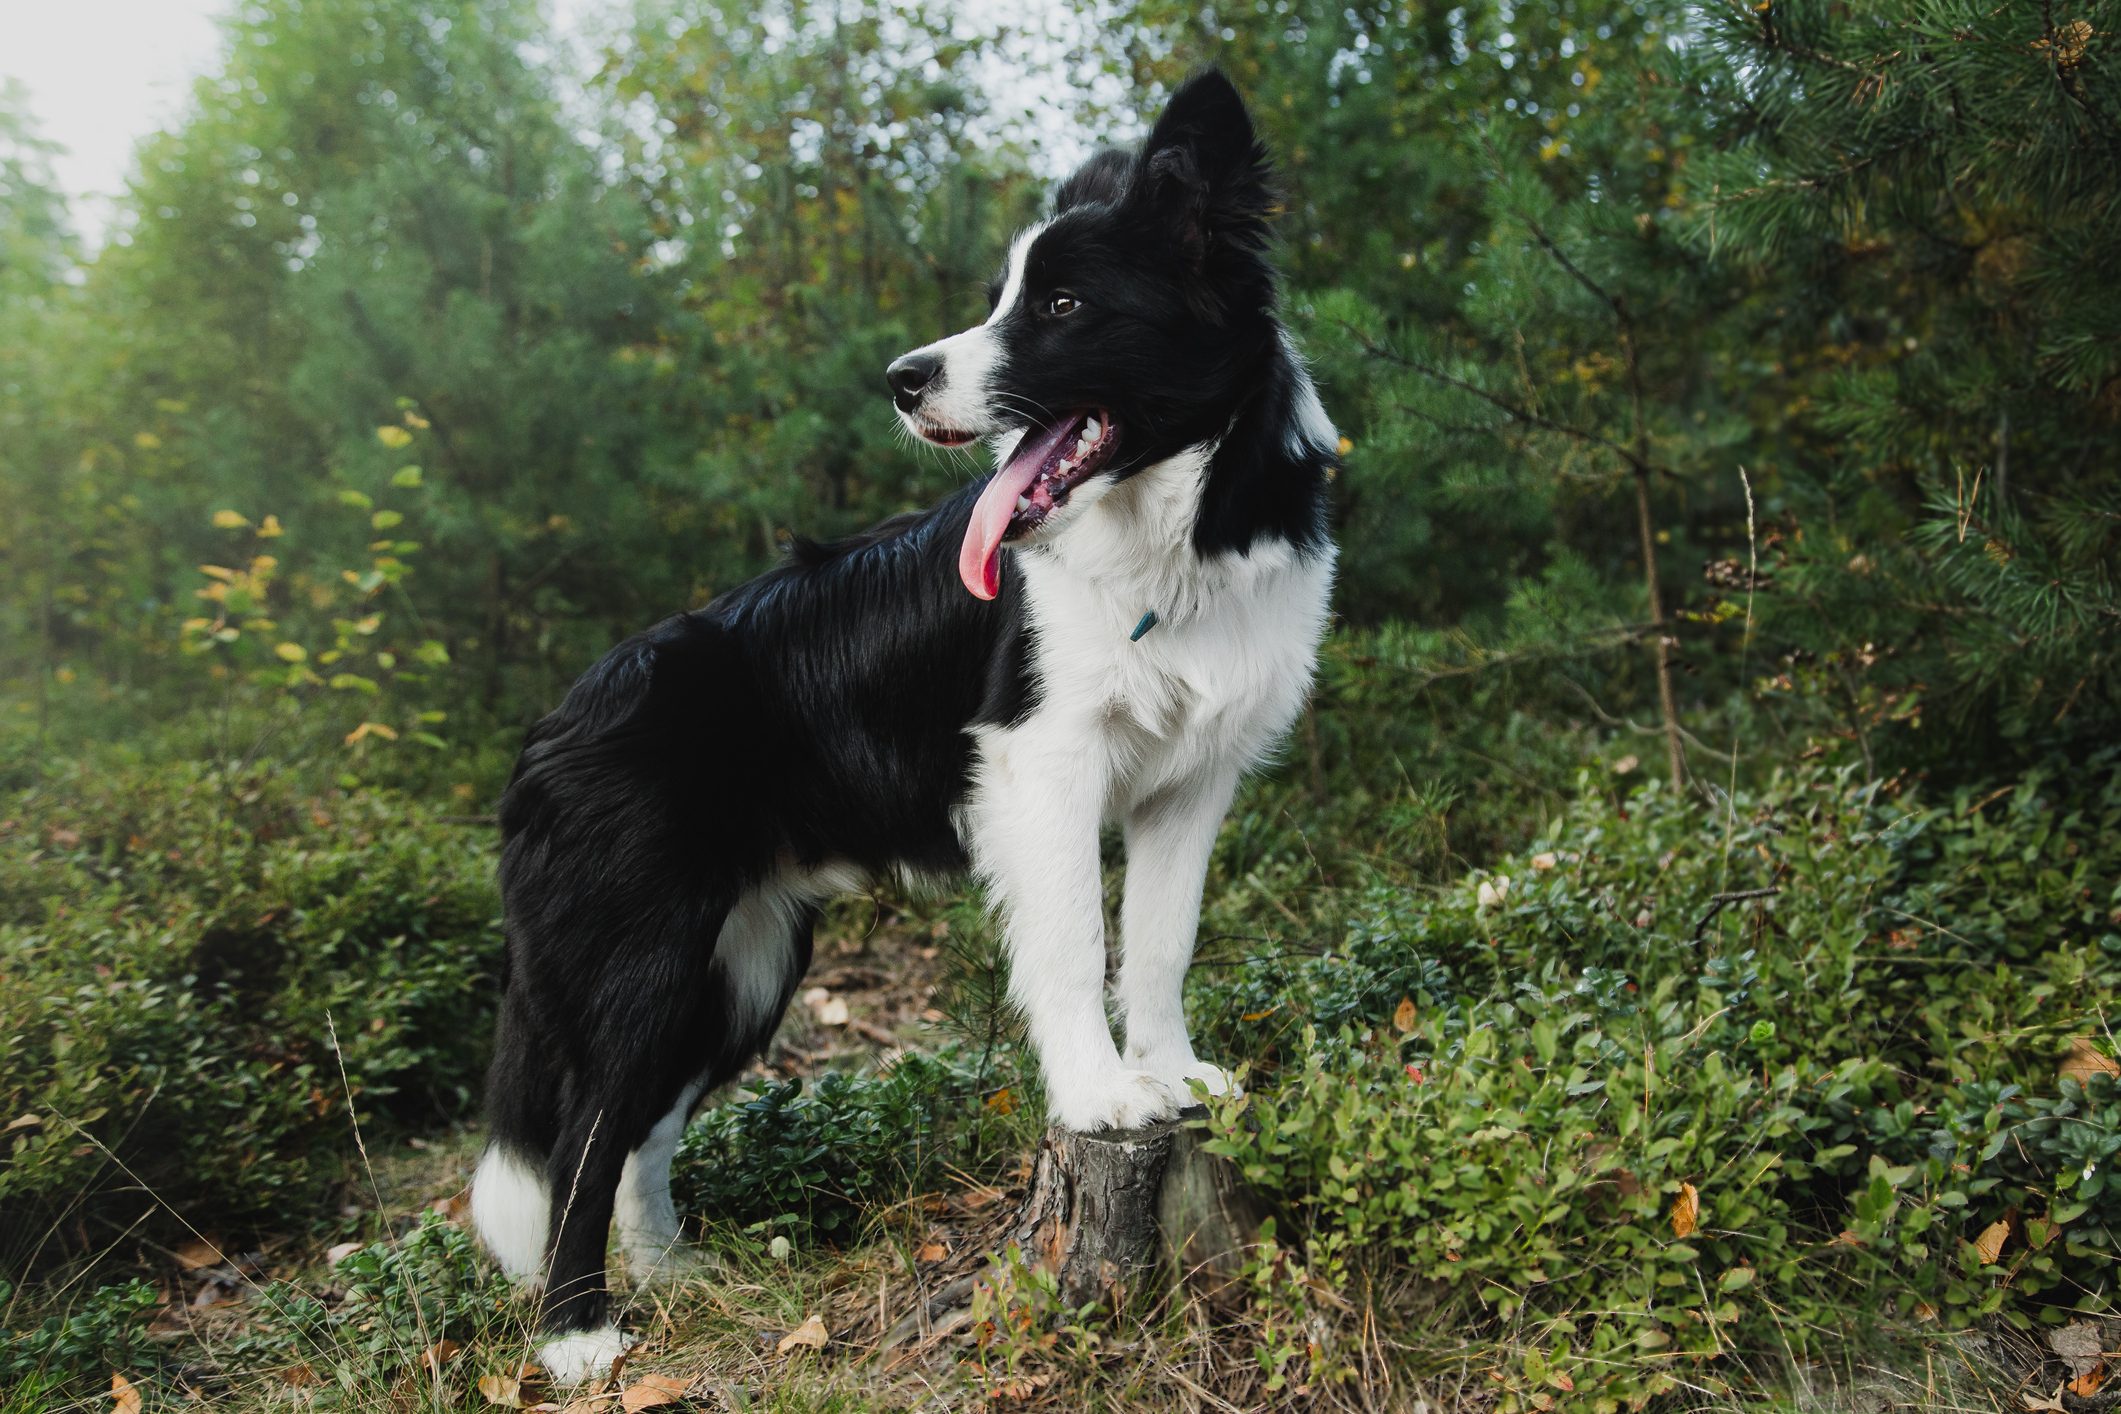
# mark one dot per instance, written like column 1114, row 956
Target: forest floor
column 846, row 1329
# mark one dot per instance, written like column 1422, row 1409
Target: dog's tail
column 511, row 1205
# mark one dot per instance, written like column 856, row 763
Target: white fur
column 1310, row 430
column 511, row 1209
column 962, row 398
column 1152, row 732
column 574, row 1359
column 646, row 1216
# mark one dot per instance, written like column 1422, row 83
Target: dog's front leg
column 1170, row 836
column 1033, row 839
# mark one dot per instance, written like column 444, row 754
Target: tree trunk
column 1105, row 1210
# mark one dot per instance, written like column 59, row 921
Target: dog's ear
column 1103, row 179
column 1205, row 173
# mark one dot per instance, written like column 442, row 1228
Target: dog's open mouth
column 946, row 436
column 1047, row 464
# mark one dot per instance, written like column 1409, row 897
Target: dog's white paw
column 574, row 1359
column 1123, row 1099
column 1180, row 1072
column 1213, row 1078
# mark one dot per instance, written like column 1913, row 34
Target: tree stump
column 1105, row 1207
column 1103, row 1210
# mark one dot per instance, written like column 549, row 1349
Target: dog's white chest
column 1210, row 686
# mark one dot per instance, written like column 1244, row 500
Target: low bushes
column 202, row 966
column 820, row 1163
column 1678, row 1087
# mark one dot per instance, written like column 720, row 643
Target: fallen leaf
column 1990, row 1243
column 124, row 1399
column 932, row 1252
column 300, row 1376
column 2087, row 1384
column 1403, row 1016
column 435, row 1356
column 504, row 1390
column 1543, row 862
column 2085, row 1060
column 199, row 1253
column 339, row 1252
column 24, row 1122
column 2034, row 1403
column 833, row 1013
column 1686, row 1211
column 652, row 1392
column 1020, row 1387
column 2080, row 1347
column 1002, row 1102
column 810, row 1333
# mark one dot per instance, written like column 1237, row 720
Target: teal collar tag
column 1148, row 622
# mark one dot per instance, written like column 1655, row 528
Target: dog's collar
column 1148, row 621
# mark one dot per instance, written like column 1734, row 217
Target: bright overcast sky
column 102, row 74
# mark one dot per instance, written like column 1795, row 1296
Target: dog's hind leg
column 762, row 951
column 636, row 1050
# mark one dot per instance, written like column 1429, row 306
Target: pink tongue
column 979, row 561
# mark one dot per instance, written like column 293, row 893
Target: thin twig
column 1719, row 902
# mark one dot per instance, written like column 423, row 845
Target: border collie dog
column 916, row 701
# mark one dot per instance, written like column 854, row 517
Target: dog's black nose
column 909, row 375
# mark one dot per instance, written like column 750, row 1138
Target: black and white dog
column 671, row 830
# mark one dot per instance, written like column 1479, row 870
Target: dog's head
column 1123, row 328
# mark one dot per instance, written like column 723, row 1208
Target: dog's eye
column 1060, row 303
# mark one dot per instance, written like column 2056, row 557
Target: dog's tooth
column 1084, row 443
column 1092, row 430
column 1023, row 503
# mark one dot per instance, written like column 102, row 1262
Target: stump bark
column 1105, row 1207
column 1101, row 1211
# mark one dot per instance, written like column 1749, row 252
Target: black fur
column 818, row 714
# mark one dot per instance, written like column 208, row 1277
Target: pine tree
column 1933, row 191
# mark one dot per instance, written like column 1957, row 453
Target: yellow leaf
column 1686, row 1211
column 220, row 572
column 124, row 1399
column 1990, row 1243
column 230, row 520
column 393, row 437
column 2085, row 1060
column 291, row 653
column 146, row 441
column 504, row 1390
column 1346, row 446
column 1403, row 1016
column 652, row 1392
column 369, row 729
column 1002, row 1102
column 269, row 527
column 810, row 1333
column 413, row 419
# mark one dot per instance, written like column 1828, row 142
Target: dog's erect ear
column 1102, row 179
column 1204, row 172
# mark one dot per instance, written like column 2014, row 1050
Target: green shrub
column 1656, row 1130
column 70, row 1355
column 194, row 957
column 820, row 1163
